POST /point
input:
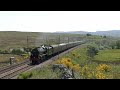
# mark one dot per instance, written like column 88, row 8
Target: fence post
column 11, row 59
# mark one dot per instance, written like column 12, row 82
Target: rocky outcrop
column 65, row 72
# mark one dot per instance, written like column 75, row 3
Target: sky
column 52, row 21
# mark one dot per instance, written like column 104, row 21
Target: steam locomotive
column 42, row 53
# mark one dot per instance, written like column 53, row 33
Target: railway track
column 7, row 68
column 12, row 73
column 14, row 70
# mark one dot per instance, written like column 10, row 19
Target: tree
column 88, row 34
column 118, row 44
column 91, row 52
column 104, row 36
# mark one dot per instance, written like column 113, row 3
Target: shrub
column 118, row 44
column 17, row 51
column 88, row 34
column 103, row 67
column 69, row 64
column 100, row 75
column 92, row 51
column 4, row 52
column 25, row 75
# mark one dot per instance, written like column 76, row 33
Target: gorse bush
column 86, row 72
column 100, row 72
column 100, row 75
column 69, row 64
column 103, row 67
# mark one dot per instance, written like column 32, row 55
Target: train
column 43, row 52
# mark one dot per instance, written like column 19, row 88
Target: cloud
column 51, row 21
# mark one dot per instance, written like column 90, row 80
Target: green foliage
column 87, row 71
column 17, row 51
column 88, row 34
column 108, row 55
column 4, row 52
column 118, row 44
column 104, row 36
column 45, row 72
column 78, row 55
column 115, row 44
column 28, row 49
column 25, row 75
column 92, row 51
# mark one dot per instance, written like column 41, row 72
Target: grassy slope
column 15, row 39
column 108, row 55
column 78, row 57
column 12, row 39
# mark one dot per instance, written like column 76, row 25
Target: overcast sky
column 51, row 21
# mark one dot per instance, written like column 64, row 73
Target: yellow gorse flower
column 100, row 75
column 103, row 67
column 68, row 63
column 86, row 72
column 76, row 67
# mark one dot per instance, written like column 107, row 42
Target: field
column 14, row 39
column 5, row 59
column 108, row 55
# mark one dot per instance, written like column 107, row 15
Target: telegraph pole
column 68, row 43
column 58, row 46
column 68, row 39
column 46, row 40
column 27, row 44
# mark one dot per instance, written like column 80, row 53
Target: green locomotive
column 42, row 53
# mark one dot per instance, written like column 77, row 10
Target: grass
column 78, row 55
column 12, row 39
column 5, row 59
column 46, row 72
column 88, row 70
column 108, row 55
column 41, row 73
column 19, row 39
column 15, row 39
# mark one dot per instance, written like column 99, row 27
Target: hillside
column 114, row 33
column 13, row 39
